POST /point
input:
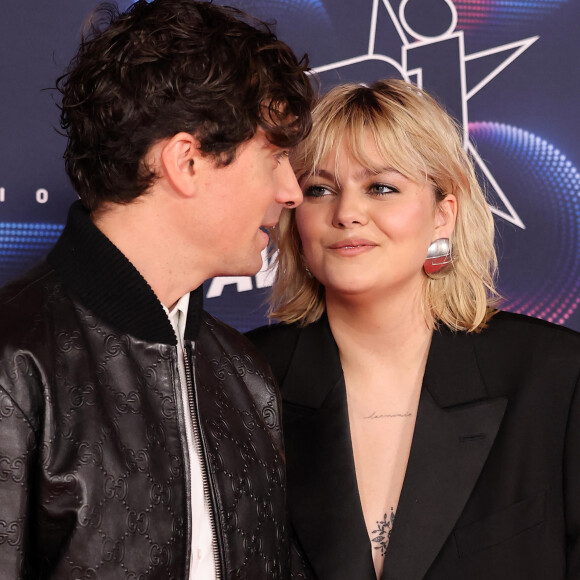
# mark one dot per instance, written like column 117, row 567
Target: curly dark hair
column 168, row 66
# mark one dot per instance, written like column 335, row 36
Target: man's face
column 240, row 199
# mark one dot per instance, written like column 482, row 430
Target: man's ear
column 178, row 159
column 446, row 214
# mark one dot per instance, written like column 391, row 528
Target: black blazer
column 492, row 487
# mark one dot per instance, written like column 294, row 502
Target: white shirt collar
column 178, row 316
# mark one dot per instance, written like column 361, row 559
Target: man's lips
column 351, row 244
column 267, row 228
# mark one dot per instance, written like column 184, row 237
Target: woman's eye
column 316, row 191
column 382, row 189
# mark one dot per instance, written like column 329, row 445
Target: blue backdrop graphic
column 506, row 69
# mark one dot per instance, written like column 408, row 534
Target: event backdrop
column 507, row 70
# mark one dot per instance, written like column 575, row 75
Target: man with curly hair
column 139, row 436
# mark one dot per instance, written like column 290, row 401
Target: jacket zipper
column 208, row 491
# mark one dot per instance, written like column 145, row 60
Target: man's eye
column 316, row 191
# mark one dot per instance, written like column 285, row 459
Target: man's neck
column 143, row 233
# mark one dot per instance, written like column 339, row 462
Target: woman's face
column 368, row 232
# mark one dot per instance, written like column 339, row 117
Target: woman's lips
column 352, row 247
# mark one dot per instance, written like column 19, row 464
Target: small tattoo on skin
column 382, row 534
column 375, row 415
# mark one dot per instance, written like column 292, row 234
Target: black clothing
column 94, row 469
column 492, row 487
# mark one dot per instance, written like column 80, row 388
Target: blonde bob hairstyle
column 415, row 136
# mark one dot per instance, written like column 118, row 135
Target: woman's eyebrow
column 318, row 173
column 366, row 172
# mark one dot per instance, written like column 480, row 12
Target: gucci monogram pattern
column 91, row 453
column 252, row 526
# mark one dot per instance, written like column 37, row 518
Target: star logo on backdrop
column 436, row 62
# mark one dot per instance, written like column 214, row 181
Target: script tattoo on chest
column 382, row 535
column 375, row 415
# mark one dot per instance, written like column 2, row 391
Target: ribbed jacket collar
column 96, row 273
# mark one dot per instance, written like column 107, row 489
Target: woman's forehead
column 372, row 157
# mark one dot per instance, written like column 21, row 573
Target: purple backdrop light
column 545, row 189
column 479, row 13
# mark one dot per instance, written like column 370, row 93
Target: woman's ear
column 178, row 159
column 446, row 214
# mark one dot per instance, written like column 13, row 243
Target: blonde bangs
column 349, row 127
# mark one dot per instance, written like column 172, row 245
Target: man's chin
column 250, row 268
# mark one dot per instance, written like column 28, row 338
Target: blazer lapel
column 323, row 493
column 456, row 427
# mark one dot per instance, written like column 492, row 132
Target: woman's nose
column 349, row 211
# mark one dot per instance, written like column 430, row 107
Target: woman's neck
column 383, row 338
column 378, row 322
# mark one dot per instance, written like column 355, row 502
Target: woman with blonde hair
column 428, row 435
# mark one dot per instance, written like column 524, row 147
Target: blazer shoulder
column 514, row 346
column 526, row 329
column 276, row 343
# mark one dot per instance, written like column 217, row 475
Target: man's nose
column 289, row 192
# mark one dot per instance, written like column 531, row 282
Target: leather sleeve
column 17, row 458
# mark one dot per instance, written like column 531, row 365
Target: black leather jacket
column 94, row 471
